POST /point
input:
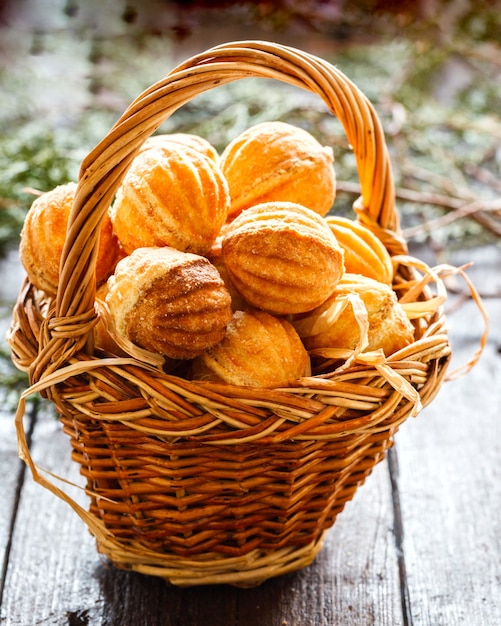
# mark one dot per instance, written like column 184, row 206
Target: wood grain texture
column 11, row 468
column 449, row 479
column 11, row 472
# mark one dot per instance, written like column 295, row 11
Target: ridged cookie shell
column 282, row 257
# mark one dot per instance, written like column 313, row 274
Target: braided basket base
column 249, row 570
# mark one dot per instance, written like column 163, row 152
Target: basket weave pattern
column 200, row 482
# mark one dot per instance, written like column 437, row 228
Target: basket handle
column 104, row 168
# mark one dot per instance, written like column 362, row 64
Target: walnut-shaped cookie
column 44, row 234
column 279, row 161
column 172, row 195
column 169, row 302
column 364, row 253
column 282, row 257
column 258, row 350
column 335, row 324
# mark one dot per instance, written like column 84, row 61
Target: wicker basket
column 204, row 483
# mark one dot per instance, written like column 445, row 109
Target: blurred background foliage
column 431, row 68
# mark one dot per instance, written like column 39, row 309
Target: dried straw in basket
column 204, row 483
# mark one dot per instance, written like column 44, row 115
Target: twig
column 483, row 175
column 419, row 197
column 477, row 209
column 32, row 191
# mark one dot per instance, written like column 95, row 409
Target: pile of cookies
column 230, row 264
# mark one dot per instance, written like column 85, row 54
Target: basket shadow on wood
column 198, row 482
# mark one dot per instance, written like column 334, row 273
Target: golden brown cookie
column 279, row 161
column 364, row 253
column 282, row 257
column 44, row 233
column 170, row 302
column 258, row 350
column 172, row 195
column 388, row 326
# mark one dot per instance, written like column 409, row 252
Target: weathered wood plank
column 449, row 477
column 11, row 474
column 11, row 467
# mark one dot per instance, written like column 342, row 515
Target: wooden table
column 420, row 544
